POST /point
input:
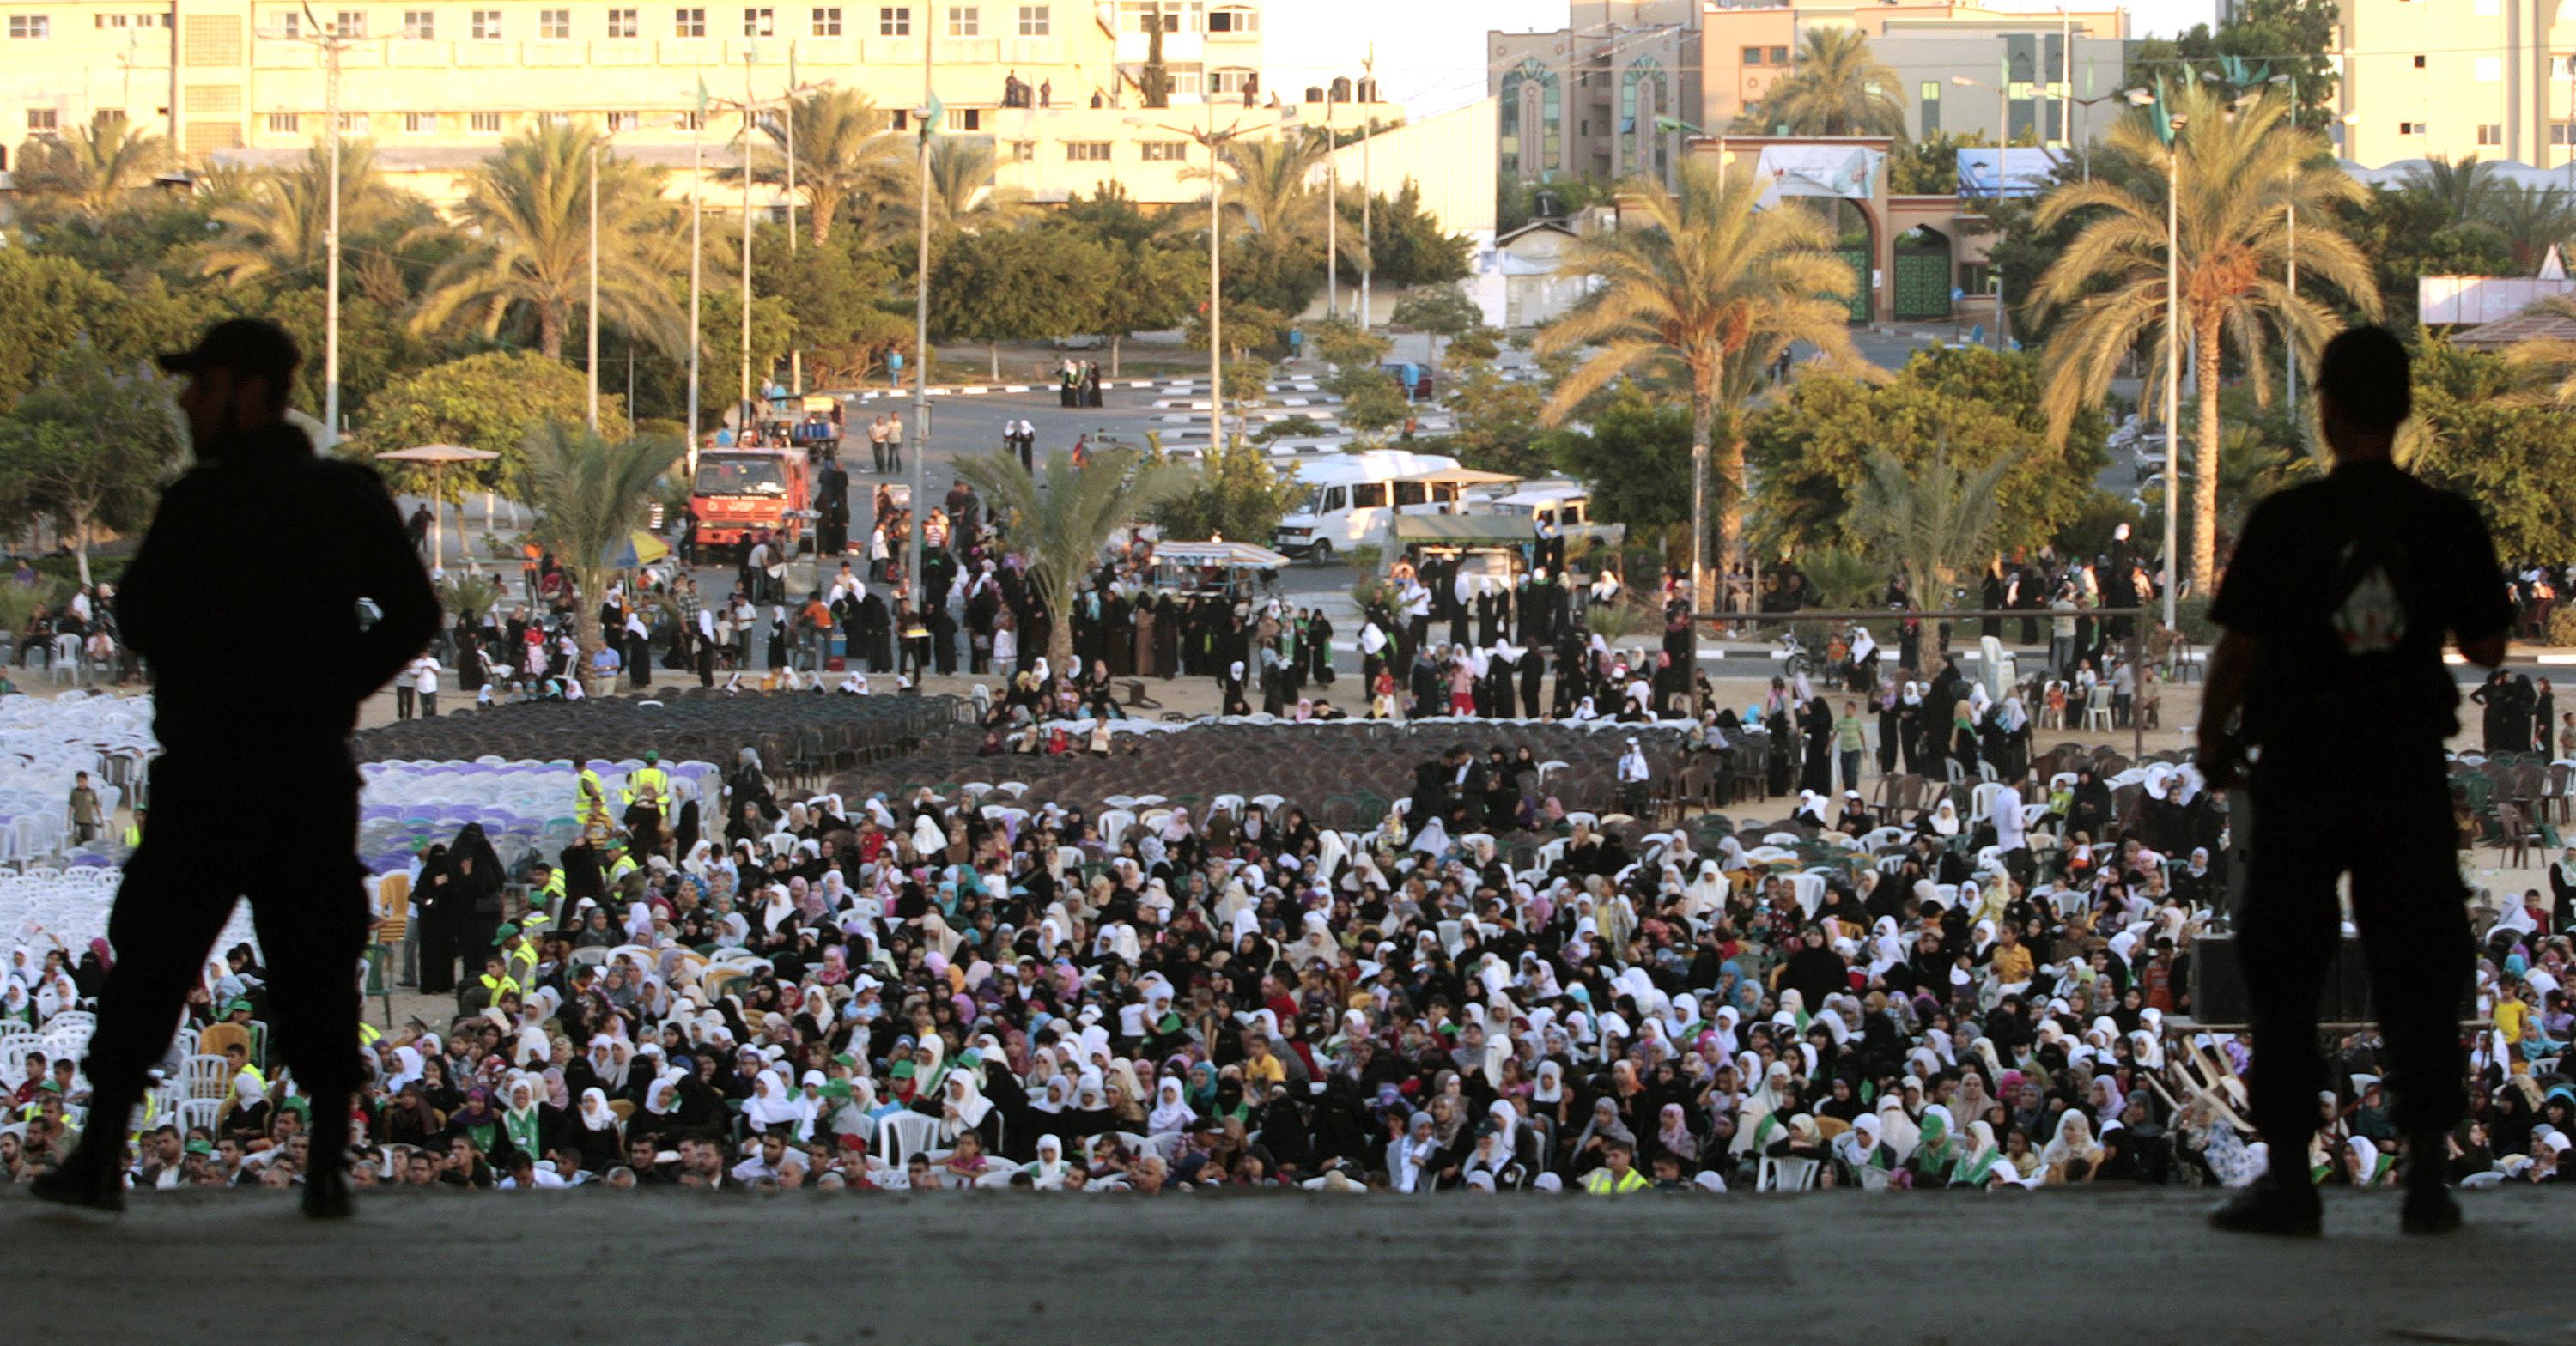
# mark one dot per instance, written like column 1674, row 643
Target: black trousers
column 402, row 701
column 307, row 902
column 2385, row 815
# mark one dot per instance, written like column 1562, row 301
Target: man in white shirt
column 423, row 677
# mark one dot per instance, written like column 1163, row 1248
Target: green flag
column 930, row 119
column 702, row 98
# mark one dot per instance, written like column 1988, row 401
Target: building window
column 689, row 121
column 290, row 25
column 759, row 23
column 486, row 25
column 965, row 21
column 483, row 123
column 827, row 23
column 43, row 121
column 1751, row 56
column 688, row 23
column 625, row 121
column 2491, row 133
column 420, row 123
column 558, row 119
column 965, row 119
column 349, row 23
column 1177, row 16
column 1164, row 151
column 1234, row 21
column 2419, row 62
column 624, row 23
column 1086, row 151
column 1779, row 56
column 894, row 21
column 284, row 123
column 1022, row 151
column 420, row 25
column 2558, row 132
column 2411, row 128
column 1036, row 21
column 554, row 25
column 353, row 123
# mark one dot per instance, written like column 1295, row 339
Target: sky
column 1431, row 53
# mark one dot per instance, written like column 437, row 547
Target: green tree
column 278, row 228
column 1439, row 311
column 1836, row 87
column 2513, row 458
column 1497, row 422
column 2239, row 173
column 850, row 163
column 2463, row 191
column 1933, row 521
column 497, row 402
column 1059, row 525
column 94, row 170
column 1811, row 450
column 88, row 447
column 1232, row 493
column 1013, row 285
column 529, row 206
column 1408, row 247
column 1372, row 403
column 1929, row 166
column 1151, row 288
column 773, row 330
column 589, row 491
column 834, row 291
column 2531, row 220
column 1708, row 290
column 1342, row 344
column 1636, row 454
column 53, row 304
column 963, row 198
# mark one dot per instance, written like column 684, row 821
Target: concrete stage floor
column 215, row 1269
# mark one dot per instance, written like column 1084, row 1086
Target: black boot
column 85, row 1179
column 326, row 1184
column 2430, row 1208
column 2272, row 1205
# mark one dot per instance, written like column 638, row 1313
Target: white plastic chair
column 1786, row 1175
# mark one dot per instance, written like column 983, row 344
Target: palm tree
column 849, row 159
column 2240, row 174
column 962, row 194
column 1060, row 524
column 1710, row 290
column 588, row 492
column 2544, row 371
column 276, row 227
column 2464, row 189
column 1837, row 88
column 1934, row 523
column 528, row 210
column 94, row 169
column 2532, row 220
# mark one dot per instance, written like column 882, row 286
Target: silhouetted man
column 261, row 547
column 2336, row 606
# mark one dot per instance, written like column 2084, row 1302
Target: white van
column 1351, row 496
column 1563, row 503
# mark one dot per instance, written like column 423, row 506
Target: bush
column 102, row 569
column 2191, row 613
column 2562, row 626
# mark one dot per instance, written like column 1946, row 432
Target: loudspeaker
column 2218, row 983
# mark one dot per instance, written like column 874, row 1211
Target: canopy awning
column 1460, row 476
column 439, row 454
column 1465, row 530
column 1231, row 555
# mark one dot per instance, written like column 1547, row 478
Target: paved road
column 217, row 1269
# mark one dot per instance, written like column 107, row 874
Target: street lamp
column 2003, row 115
column 1213, row 140
column 597, row 143
column 2141, row 98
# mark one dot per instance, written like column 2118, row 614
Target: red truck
column 739, row 491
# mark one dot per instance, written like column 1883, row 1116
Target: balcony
column 692, row 51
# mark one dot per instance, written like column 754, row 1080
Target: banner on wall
column 1844, row 171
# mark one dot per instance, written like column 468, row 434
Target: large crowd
column 1484, row 990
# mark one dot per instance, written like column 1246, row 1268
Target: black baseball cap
column 247, row 346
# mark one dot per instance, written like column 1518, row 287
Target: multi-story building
column 1583, row 101
column 1962, row 66
column 2484, row 79
column 1056, row 84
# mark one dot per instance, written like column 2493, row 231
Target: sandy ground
column 813, row 1267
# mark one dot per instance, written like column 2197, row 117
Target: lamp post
column 751, row 106
column 1214, row 141
column 1368, row 237
column 924, row 119
column 591, row 364
column 2003, row 110
column 697, row 180
column 2173, row 342
column 331, row 42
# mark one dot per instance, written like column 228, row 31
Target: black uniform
column 2350, row 584
column 201, row 624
